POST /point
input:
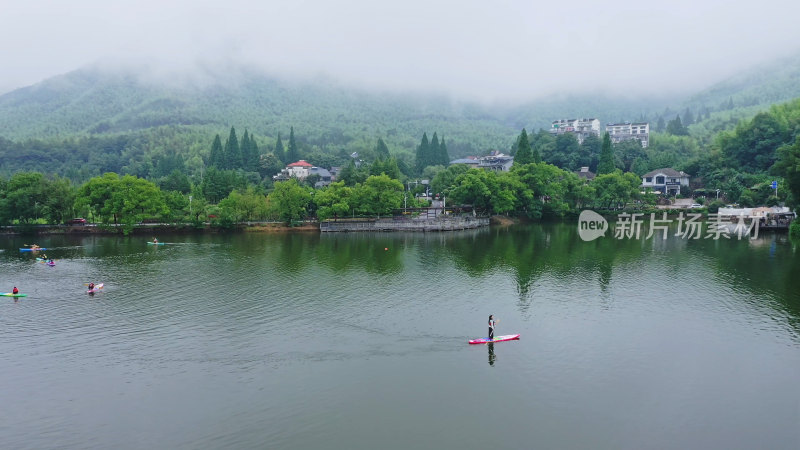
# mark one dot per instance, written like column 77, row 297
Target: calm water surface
column 358, row 341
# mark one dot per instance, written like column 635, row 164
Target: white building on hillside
column 625, row 131
column 581, row 128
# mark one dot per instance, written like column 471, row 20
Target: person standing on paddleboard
column 492, row 323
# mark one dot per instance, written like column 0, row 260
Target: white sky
column 486, row 50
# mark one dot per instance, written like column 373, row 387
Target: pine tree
column 423, row 151
column 606, row 164
column 688, row 117
column 660, row 125
column 292, row 155
column 434, row 158
column 245, row 151
column 381, row 150
column 217, row 156
column 443, row 156
column 524, row 153
column 254, row 156
column 233, row 154
column 676, row 128
column 279, row 152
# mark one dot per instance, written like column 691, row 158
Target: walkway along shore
column 440, row 223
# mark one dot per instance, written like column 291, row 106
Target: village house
column 667, row 181
column 494, row 161
column 302, row 170
column 585, row 174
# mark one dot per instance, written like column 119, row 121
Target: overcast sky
column 488, row 50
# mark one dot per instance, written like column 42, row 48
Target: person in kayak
column 91, row 286
column 155, row 241
column 492, row 323
column 15, row 290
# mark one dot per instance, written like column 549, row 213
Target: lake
column 359, row 341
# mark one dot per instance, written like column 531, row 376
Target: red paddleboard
column 508, row 337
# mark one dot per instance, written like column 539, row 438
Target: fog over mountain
column 503, row 51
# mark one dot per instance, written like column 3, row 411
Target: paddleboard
column 155, row 243
column 9, row 294
column 97, row 287
column 508, row 337
column 32, row 249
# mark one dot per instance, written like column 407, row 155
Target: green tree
column 378, row 195
column 233, row 154
column 289, row 200
column 606, row 162
column 269, row 165
column 292, row 154
column 217, row 156
column 474, row 187
column 660, row 125
column 688, row 117
column 615, row 190
column 176, row 181
column 423, row 159
column 524, row 153
column 279, row 151
column 126, row 200
column 246, row 205
column 444, row 158
column 675, row 127
column 25, row 197
column 333, row 200
column 788, row 166
column 445, row 179
column 381, row 150
column 628, row 151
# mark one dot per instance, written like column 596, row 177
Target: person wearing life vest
column 15, row 291
column 91, row 286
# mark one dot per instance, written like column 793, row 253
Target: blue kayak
column 32, row 249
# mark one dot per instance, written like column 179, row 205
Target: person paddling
column 492, row 323
column 15, row 291
column 91, row 286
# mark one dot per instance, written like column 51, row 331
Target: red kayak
column 97, row 288
column 508, row 337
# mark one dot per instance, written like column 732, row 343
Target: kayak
column 44, row 261
column 155, row 243
column 32, row 249
column 51, row 263
column 97, row 287
column 508, row 337
column 9, row 294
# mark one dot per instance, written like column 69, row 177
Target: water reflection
column 492, row 356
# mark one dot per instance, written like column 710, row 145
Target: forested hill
column 324, row 114
column 765, row 85
column 87, row 102
column 98, row 120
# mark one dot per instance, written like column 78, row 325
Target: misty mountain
column 328, row 116
column 762, row 86
column 323, row 113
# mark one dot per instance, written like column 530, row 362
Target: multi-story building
column 581, row 128
column 625, row 131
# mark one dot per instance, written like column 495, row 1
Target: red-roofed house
column 299, row 169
